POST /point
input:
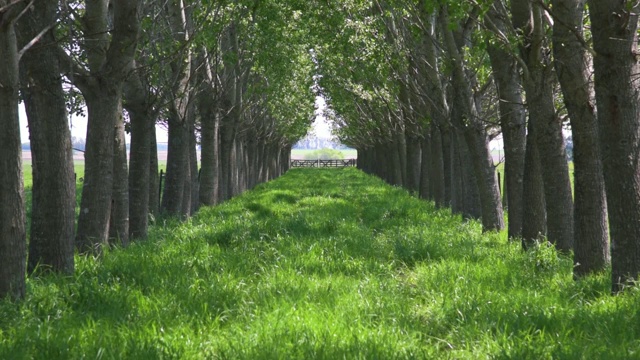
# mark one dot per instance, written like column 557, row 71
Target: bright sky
column 320, row 126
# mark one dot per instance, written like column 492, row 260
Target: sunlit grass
column 322, row 264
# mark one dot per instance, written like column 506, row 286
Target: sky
column 78, row 125
column 320, row 125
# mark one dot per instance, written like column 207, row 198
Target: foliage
column 322, row 264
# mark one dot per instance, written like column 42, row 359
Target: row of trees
column 234, row 77
column 430, row 83
column 419, row 87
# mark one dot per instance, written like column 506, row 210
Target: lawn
column 322, row 264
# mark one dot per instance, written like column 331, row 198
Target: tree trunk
column 177, row 157
column 227, row 160
column 119, row 221
column 457, row 174
column 108, row 60
column 97, row 190
column 12, row 205
column 414, row 155
column 185, row 211
column 506, row 74
column 425, row 166
column 142, row 189
column 51, row 244
column 210, row 151
column 471, row 195
column 437, row 168
column 591, row 237
column 615, row 39
column 474, row 132
column 538, row 85
column 534, row 224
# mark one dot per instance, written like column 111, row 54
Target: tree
column 51, row 243
column 12, row 206
column 546, row 124
column 109, row 51
column 573, row 67
column 506, row 75
column 614, row 26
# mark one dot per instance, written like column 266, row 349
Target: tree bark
column 591, row 236
column 12, row 205
column 506, row 74
column 119, row 220
column 142, row 190
column 177, row 157
column 210, row 152
column 425, row 169
column 97, row 190
column 538, row 84
column 437, row 168
column 108, row 61
column 615, row 39
column 534, row 222
column 475, row 134
column 51, row 243
column 414, row 155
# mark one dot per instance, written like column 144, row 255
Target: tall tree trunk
column 447, row 166
column 97, row 190
column 506, row 74
column 12, row 205
column 472, row 204
column 210, row 151
column 108, row 60
column 437, row 168
column 177, row 157
column 425, row 166
column 51, row 243
column 591, row 235
column 538, row 84
column 615, row 39
column 534, row 224
column 226, row 153
column 185, row 211
column 474, row 133
column 119, row 220
column 180, row 112
column 458, row 176
column 142, row 190
column 414, row 155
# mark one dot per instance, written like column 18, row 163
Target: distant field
column 299, row 154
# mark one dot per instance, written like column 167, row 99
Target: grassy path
column 323, row 264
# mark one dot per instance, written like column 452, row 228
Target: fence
column 323, row 163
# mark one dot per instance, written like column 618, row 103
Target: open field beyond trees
column 322, row 264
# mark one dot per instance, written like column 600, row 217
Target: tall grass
column 322, row 264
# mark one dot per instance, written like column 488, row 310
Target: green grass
column 322, row 264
